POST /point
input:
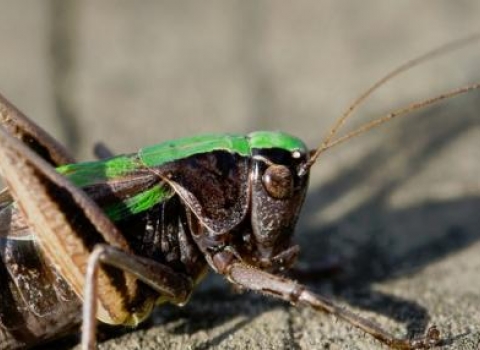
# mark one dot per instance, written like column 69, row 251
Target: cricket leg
column 38, row 140
column 102, row 151
column 174, row 286
column 67, row 224
column 257, row 280
column 34, row 137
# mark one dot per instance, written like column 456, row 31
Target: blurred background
column 399, row 206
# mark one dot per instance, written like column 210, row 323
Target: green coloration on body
column 182, row 148
column 140, row 202
column 276, row 139
column 102, row 171
column 90, row 173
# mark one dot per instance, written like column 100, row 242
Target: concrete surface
column 399, row 206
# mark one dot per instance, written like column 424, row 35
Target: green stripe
column 138, row 203
column 276, row 139
column 90, row 173
column 186, row 147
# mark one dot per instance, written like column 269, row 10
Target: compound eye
column 278, row 181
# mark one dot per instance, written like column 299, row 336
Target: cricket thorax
column 275, row 194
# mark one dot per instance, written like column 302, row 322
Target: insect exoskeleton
column 117, row 235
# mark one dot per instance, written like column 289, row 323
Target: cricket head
column 281, row 165
column 277, row 188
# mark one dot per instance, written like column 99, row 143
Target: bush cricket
column 122, row 234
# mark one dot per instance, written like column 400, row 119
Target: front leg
column 251, row 278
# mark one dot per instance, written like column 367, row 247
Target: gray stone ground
column 399, row 206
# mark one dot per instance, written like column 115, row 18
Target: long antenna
column 452, row 46
column 397, row 113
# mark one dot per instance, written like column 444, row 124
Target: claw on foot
column 431, row 339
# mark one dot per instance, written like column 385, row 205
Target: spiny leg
column 257, row 280
column 61, row 216
column 174, row 286
column 16, row 124
column 34, row 137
